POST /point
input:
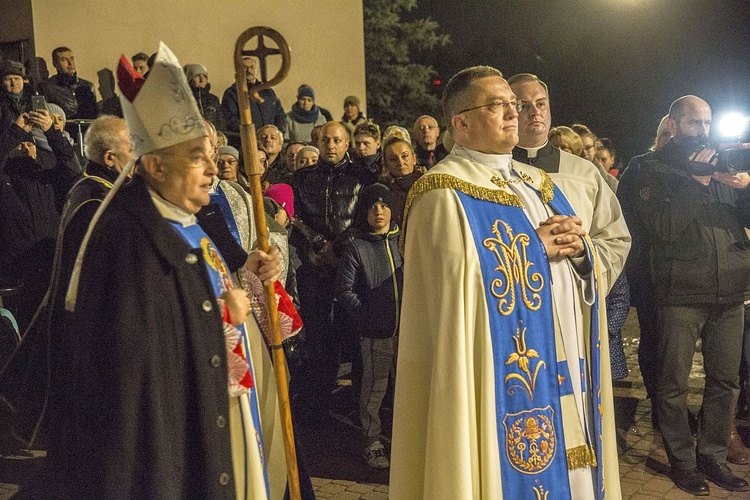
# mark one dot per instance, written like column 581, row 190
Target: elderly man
column 24, row 381
column 159, row 380
column 74, row 94
column 701, row 267
column 426, row 133
column 271, row 138
column 503, row 389
column 325, row 197
column 268, row 112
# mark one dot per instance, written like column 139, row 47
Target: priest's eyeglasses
column 495, row 106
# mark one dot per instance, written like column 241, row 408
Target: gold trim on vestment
column 446, row 181
column 581, row 456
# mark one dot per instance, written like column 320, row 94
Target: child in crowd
column 368, row 287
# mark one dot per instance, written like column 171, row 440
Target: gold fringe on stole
column 580, row 456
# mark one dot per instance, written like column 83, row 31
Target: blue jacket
column 269, row 112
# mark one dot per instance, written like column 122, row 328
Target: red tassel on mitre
column 128, row 79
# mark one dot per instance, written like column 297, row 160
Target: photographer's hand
column 23, row 122
column 40, row 118
column 702, row 165
column 740, row 180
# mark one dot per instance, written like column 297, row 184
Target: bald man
column 638, row 265
column 325, row 197
column 701, row 269
column 426, row 134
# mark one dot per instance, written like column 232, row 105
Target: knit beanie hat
column 12, row 68
column 352, row 99
column 193, row 70
column 229, row 150
column 55, row 109
column 283, row 195
column 305, row 91
column 308, row 149
column 368, row 197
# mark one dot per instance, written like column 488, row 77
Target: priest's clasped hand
column 562, row 236
column 266, row 266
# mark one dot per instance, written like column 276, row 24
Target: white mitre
column 161, row 111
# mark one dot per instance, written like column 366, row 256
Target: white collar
column 493, row 161
column 532, row 152
column 170, row 211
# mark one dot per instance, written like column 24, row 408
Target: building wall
column 325, row 36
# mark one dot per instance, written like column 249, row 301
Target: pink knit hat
column 283, row 195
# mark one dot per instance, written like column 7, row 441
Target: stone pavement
column 340, row 473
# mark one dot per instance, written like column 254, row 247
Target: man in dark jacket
column 325, row 196
column 73, row 94
column 268, row 112
column 701, row 264
column 208, row 103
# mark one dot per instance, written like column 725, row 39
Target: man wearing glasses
column 426, row 134
column 503, row 389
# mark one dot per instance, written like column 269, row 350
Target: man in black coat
column 701, row 268
column 325, row 196
column 73, row 94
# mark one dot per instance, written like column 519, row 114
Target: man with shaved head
column 426, row 134
column 325, row 197
column 701, row 271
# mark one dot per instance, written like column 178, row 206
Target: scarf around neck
column 301, row 116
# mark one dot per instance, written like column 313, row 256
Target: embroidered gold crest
column 530, row 439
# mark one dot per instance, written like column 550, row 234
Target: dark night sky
column 615, row 65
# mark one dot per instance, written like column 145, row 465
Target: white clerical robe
column 445, row 437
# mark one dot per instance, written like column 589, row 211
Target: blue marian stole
column 221, row 281
column 517, row 284
column 220, row 199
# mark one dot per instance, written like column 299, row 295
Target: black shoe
column 722, row 476
column 691, row 481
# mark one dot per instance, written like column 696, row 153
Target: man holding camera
column 701, row 270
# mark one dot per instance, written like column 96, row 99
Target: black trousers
column 643, row 299
column 720, row 327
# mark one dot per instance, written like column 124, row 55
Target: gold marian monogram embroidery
column 514, row 267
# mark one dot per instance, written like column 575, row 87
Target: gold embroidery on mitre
column 581, row 456
column 522, row 356
column 531, row 440
column 514, row 268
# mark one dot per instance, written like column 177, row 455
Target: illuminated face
column 306, row 103
column 488, row 129
column 605, row 158
column 13, row 84
column 305, row 159
column 199, row 81
column 589, row 148
column 228, row 165
column 270, row 138
column 251, row 69
column 123, row 151
column 399, row 159
column 351, row 111
column 141, row 67
column 262, row 161
column 426, row 132
column 365, row 145
column 65, row 62
column 333, row 142
column 57, row 121
column 535, row 119
column 187, row 170
column 695, row 120
column 379, row 217
column 291, row 153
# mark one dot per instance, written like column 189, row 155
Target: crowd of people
column 490, row 262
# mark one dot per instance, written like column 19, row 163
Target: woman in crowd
column 303, row 117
